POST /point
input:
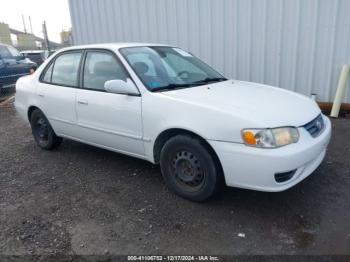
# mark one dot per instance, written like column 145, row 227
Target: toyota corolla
column 161, row 104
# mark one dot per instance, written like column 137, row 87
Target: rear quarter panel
column 25, row 95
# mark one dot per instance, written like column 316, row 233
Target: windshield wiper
column 170, row 87
column 209, row 80
column 196, row 83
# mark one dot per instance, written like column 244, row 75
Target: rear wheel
column 42, row 131
column 189, row 169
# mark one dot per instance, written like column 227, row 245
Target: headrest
column 140, row 68
column 105, row 68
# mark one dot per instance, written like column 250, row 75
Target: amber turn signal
column 249, row 138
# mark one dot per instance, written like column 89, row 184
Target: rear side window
column 101, row 67
column 65, row 70
column 48, row 74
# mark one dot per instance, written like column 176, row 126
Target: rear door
column 56, row 92
column 107, row 119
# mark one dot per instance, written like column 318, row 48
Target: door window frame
column 53, row 61
column 81, row 68
column 106, row 51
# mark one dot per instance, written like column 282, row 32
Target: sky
column 54, row 12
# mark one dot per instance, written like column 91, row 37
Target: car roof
column 113, row 46
column 33, row 51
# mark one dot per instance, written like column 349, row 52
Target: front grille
column 315, row 126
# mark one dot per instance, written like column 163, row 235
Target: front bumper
column 255, row 168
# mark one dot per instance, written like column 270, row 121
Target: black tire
column 42, row 131
column 189, row 169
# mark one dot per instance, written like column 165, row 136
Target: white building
column 299, row 45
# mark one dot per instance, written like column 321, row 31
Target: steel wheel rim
column 42, row 129
column 187, row 171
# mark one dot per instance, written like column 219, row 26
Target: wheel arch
column 30, row 111
column 165, row 135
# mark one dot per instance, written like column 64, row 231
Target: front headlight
column 271, row 137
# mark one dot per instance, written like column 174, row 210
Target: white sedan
column 162, row 104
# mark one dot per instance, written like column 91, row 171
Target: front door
column 106, row 119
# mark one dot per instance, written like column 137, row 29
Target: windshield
column 162, row 68
column 14, row 51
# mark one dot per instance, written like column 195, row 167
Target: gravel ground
column 84, row 200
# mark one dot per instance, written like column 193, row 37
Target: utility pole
column 24, row 24
column 47, row 42
column 30, row 24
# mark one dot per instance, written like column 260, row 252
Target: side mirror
column 121, row 87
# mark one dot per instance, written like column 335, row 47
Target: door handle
column 83, row 102
column 41, row 95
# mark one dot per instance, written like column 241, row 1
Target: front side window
column 66, row 69
column 166, row 68
column 100, row 67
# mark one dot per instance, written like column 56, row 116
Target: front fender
column 161, row 113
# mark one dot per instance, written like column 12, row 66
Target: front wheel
column 42, row 131
column 189, row 169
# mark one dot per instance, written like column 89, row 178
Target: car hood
column 263, row 105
